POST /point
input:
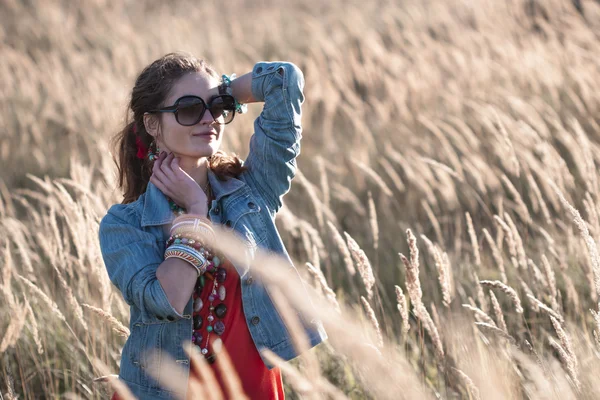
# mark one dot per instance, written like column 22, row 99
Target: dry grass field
column 446, row 211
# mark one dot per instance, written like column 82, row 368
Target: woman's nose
column 207, row 118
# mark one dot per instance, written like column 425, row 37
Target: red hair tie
column 142, row 150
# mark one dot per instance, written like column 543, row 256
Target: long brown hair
column 150, row 90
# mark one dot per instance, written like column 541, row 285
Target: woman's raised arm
column 275, row 143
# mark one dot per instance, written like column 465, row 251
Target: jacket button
column 249, row 281
column 159, row 317
column 255, row 320
column 258, row 70
column 251, row 205
column 170, row 318
column 217, row 210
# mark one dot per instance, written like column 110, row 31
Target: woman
column 176, row 182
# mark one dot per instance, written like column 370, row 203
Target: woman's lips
column 206, row 134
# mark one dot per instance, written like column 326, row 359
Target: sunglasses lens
column 222, row 109
column 189, row 111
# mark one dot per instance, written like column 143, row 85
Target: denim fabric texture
column 132, row 239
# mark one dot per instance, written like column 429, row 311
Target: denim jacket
column 132, row 238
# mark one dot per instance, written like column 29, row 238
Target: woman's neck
column 197, row 168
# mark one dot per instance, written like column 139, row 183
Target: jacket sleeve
column 131, row 257
column 275, row 143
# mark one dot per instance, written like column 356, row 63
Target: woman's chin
column 199, row 152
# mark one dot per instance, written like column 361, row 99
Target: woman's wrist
column 198, row 209
column 242, row 89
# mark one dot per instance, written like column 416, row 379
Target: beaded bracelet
column 189, row 240
column 225, row 88
column 190, row 255
column 195, row 236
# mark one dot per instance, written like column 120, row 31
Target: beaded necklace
column 218, row 274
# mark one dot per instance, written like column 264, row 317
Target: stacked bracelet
column 189, row 254
column 225, row 88
column 197, row 219
column 190, row 235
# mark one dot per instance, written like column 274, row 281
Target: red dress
column 257, row 380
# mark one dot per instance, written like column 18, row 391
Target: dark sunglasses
column 189, row 110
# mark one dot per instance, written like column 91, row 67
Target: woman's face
column 196, row 141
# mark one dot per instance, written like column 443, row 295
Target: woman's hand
column 174, row 182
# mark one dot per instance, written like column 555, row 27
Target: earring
column 153, row 155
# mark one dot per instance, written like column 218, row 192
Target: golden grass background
column 475, row 124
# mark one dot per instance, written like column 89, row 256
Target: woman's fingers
column 174, row 163
column 160, row 185
column 158, row 172
column 177, row 171
column 158, row 162
column 165, row 167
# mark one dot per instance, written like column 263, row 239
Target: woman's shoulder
column 120, row 213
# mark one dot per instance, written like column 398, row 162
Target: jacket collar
column 156, row 206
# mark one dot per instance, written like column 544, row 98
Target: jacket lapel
column 156, row 206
